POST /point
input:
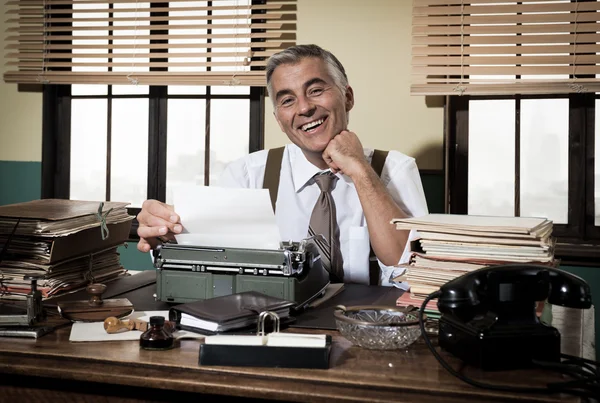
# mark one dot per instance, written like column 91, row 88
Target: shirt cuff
column 390, row 272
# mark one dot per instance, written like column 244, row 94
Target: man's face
column 309, row 107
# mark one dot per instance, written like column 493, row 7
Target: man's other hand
column 157, row 220
column 345, row 154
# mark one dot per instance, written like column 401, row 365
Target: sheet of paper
column 226, row 217
column 94, row 331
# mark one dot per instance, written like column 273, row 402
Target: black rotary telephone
column 489, row 321
column 489, row 318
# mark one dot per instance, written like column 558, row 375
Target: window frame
column 578, row 241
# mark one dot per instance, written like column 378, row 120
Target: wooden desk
column 54, row 368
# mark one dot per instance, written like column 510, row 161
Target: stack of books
column 64, row 244
column 451, row 245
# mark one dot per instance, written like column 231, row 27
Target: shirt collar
column 303, row 170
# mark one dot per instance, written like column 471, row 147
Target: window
column 131, row 147
column 521, row 78
column 530, row 156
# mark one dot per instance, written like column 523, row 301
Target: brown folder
column 88, row 241
column 56, row 209
column 59, row 217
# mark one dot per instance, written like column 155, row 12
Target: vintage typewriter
column 191, row 273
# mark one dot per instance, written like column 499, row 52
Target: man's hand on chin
column 345, row 154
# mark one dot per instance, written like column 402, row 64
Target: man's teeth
column 310, row 125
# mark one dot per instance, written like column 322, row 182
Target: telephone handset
column 497, row 288
column 489, row 319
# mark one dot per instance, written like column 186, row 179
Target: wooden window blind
column 505, row 47
column 152, row 42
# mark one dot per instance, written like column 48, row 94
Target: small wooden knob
column 115, row 325
column 95, row 291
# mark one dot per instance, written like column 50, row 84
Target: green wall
column 20, row 181
column 133, row 259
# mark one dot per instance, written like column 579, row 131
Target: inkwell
column 157, row 337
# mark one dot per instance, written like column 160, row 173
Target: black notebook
column 229, row 312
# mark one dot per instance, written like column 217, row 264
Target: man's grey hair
column 295, row 54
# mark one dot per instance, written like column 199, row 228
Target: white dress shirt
column 298, row 194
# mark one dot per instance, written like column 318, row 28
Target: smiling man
column 325, row 166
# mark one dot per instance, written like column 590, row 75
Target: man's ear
column 349, row 98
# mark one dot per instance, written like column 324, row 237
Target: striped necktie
column 323, row 221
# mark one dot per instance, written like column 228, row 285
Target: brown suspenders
column 272, row 171
column 271, row 182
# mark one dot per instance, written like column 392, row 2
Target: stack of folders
column 65, row 244
column 451, row 245
column 228, row 312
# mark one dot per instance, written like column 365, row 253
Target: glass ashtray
column 378, row 327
